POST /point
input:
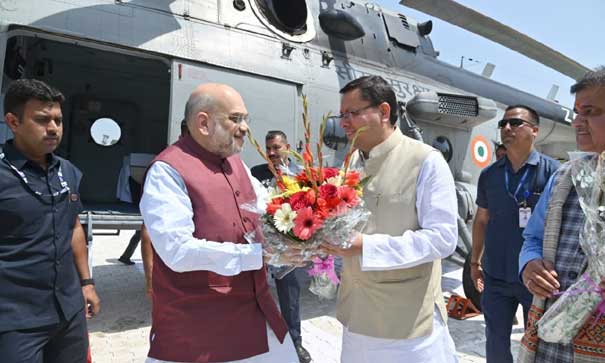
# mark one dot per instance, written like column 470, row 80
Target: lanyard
column 519, row 186
column 64, row 186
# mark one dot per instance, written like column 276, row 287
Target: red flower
column 299, row 200
column 352, row 178
column 348, row 195
column 328, row 191
column 323, row 210
column 310, row 197
column 330, row 172
column 305, row 223
column 274, row 205
column 307, row 155
column 302, row 177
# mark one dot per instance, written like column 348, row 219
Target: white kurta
column 168, row 215
column 436, row 239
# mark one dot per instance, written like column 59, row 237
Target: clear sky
column 574, row 28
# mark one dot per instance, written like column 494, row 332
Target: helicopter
column 127, row 67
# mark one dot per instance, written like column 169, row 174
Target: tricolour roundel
column 481, row 151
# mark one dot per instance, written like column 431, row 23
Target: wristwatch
column 85, row 282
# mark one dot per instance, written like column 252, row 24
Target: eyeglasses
column 238, row 118
column 513, row 122
column 351, row 114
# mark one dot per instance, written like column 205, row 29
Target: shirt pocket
column 19, row 215
column 219, row 283
column 399, row 275
column 388, row 206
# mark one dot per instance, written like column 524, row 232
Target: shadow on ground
column 123, row 304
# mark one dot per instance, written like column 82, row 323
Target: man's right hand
column 540, row 278
column 477, row 277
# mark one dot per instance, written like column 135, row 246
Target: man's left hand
column 92, row 303
column 354, row 250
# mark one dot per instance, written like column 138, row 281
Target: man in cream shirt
column 390, row 300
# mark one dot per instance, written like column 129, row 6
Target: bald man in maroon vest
column 211, row 301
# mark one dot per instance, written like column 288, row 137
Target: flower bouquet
column 562, row 321
column 316, row 206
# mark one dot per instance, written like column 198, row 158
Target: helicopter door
column 272, row 104
column 100, row 160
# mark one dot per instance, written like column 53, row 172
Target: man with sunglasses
column 46, row 292
column 552, row 259
column 507, row 193
column 211, row 300
column 390, row 300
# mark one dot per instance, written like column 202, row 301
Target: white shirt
column 437, row 210
column 437, row 237
column 123, row 187
column 168, row 215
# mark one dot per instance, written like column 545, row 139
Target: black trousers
column 288, row 293
column 66, row 342
column 132, row 245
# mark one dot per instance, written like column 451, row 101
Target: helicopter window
column 288, row 16
column 105, row 132
column 444, row 145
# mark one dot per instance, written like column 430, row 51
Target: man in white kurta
column 390, row 301
column 169, row 212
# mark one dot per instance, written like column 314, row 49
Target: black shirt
column 39, row 283
column 262, row 173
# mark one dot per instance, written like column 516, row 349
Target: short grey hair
column 199, row 102
column 590, row 79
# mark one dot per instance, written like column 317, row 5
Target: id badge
column 524, row 214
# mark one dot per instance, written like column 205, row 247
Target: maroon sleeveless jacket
column 201, row 316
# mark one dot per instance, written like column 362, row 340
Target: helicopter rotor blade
column 473, row 21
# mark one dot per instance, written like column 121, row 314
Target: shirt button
column 57, row 262
column 572, row 275
column 237, row 193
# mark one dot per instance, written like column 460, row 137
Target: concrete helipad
column 120, row 333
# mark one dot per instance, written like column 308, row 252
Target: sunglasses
column 513, row 122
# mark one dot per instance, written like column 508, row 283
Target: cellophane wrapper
column 323, row 287
column 562, row 321
column 337, row 231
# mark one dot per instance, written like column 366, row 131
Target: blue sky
column 574, row 28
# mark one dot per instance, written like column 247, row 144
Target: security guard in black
column 38, row 209
column 46, row 292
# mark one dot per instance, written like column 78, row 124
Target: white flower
column 335, row 180
column 284, row 218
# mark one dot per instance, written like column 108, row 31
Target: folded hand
column 540, row 278
column 354, row 250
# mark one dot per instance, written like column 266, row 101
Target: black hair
column 274, row 133
column 22, row 90
column 535, row 118
column 590, row 79
column 376, row 90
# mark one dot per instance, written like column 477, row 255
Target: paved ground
column 120, row 333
